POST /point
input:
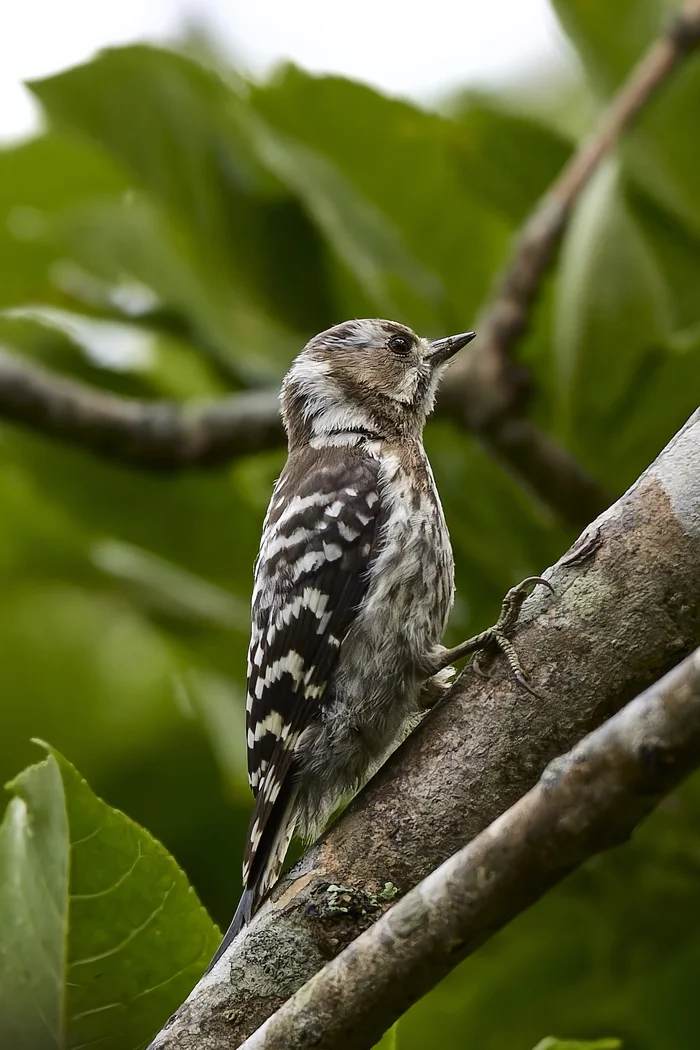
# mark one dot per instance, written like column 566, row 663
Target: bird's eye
column 399, row 345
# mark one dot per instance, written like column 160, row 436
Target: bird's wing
column 310, row 578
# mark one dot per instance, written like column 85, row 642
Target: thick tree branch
column 486, row 391
column 627, row 609
column 585, row 802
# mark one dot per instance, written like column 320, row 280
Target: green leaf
column 115, row 240
column 29, row 201
column 178, row 131
column 551, row 1043
column 132, row 359
column 676, row 249
column 506, row 159
column 611, row 37
column 611, row 310
column 102, row 936
column 34, row 874
column 663, row 394
column 180, row 141
column 364, row 240
column 170, row 589
column 405, row 162
column 660, row 152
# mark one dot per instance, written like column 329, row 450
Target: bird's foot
column 496, row 637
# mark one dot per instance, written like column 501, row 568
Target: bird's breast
column 411, row 584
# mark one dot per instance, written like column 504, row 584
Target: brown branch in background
column 485, row 386
column 158, row 434
column 164, row 435
column 486, row 390
column 626, row 610
column 585, row 802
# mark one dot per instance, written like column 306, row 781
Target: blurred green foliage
column 180, row 232
column 121, row 931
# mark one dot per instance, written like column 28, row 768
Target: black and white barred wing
column 310, row 578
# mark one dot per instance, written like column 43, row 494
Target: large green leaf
column 676, row 249
column 194, row 146
column 39, row 179
column 406, row 163
column 132, row 359
column 183, row 144
column 663, row 394
column 132, row 240
column 505, row 159
column 661, row 153
column 171, row 124
column 373, row 251
column 34, row 874
column 101, row 934
column 611, row 311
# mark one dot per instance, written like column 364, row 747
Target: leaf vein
column 114, row 886
column 134, row 933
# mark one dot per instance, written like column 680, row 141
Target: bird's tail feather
column 242, row 917
column 267, row 865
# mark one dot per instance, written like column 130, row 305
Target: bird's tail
column 265, row 869
column 243, row 915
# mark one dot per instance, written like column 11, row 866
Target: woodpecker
column 353, row 586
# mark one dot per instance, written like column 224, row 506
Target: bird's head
column 364, row 379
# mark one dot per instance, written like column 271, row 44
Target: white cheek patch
column 307, row 373
column 325, row 407
column 308, row 380
column 406, row 389
column 319, row 391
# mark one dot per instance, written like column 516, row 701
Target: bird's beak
column 443, row 349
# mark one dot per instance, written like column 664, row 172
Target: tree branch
column 585, row 802
column 158, row 434
column 485, row 391
column 627, row 609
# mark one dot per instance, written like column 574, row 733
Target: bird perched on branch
column 353, row 586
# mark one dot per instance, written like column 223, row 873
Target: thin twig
column 486, row 387
column 585, row 802
column 626, row 610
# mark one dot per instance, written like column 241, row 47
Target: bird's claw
column 522, row 681
column 510, row 610
column 535, row 580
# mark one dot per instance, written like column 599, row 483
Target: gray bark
column 586, row 801
column 623, row 615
